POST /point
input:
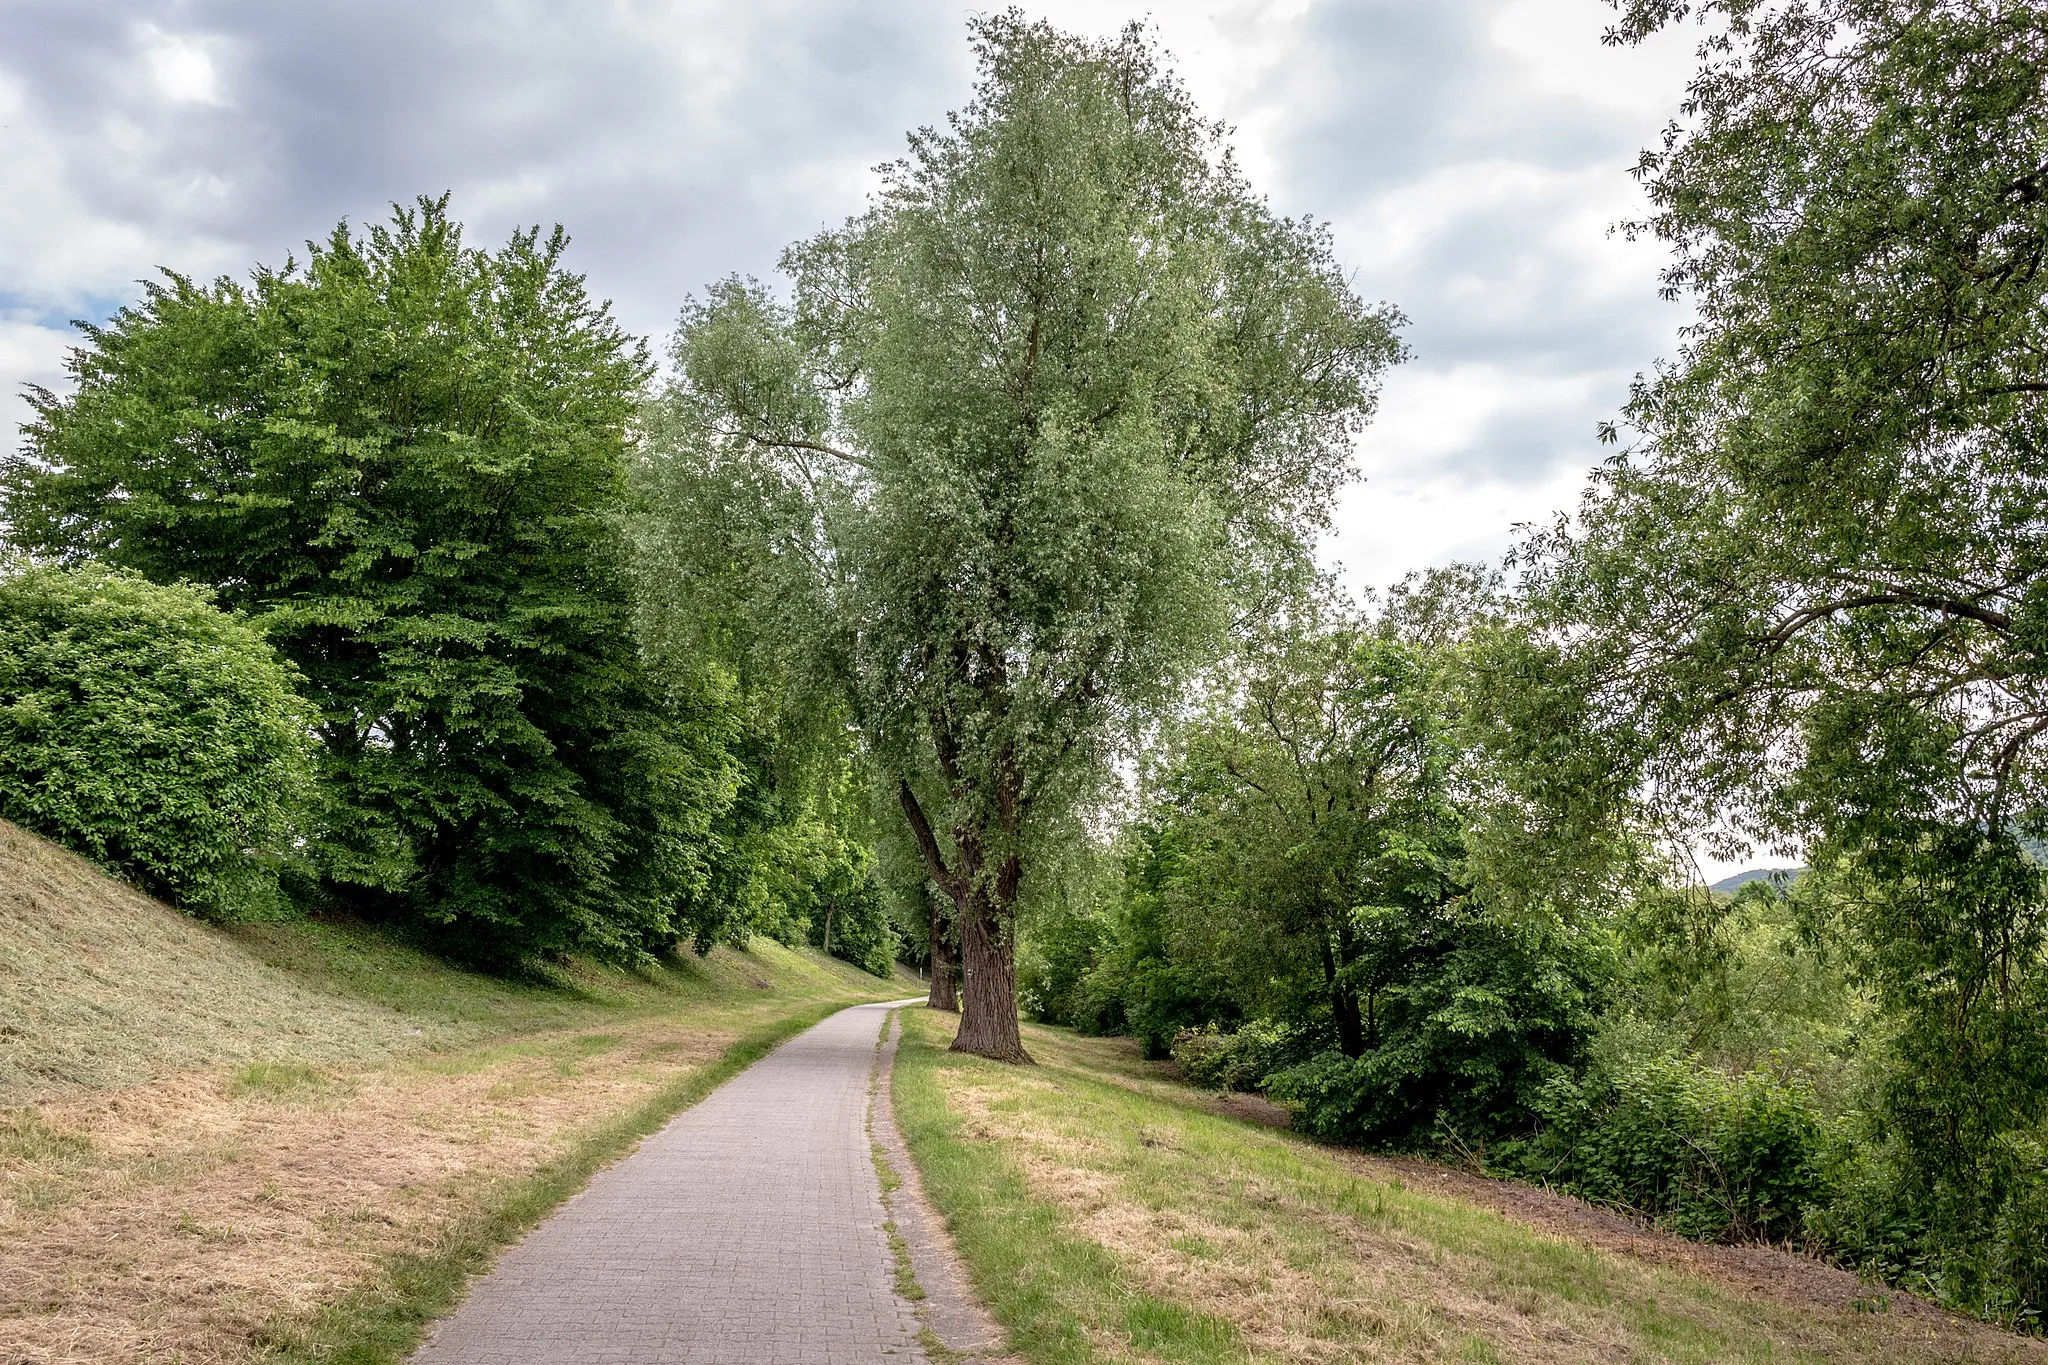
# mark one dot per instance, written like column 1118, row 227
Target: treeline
column 1419, row 870
column 393, row 581
column 329, row 602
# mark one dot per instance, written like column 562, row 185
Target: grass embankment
column 298, row 1140
column 1110, row 1214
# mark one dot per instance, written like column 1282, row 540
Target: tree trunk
column 945, row 994
column 1343, row 1000
column 986, row 910
column 1350, row 1026
column 988, row 952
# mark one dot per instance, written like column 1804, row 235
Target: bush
column 150, row 731
column 1712, row 1156
column 1981, row 1250
column 1487, row 1012
column 1237, row 1061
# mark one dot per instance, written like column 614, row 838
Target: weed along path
column 751, row 1230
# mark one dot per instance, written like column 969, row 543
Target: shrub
column 1237, row 1061
column 2016, row 1268
column 1981, row 1250
column 1714, row 1157
column 1486, row 1012
column 150, row 731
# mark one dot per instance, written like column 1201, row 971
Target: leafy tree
column 402, row 458
column 1304, row 881
column 1036, row 428
column 149, row 730
column 1810, row 592
column 1316, row 798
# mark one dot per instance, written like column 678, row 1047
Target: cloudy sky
column 1470, row 155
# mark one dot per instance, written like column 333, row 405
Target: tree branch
column 1782, row 634
column 788, row 443
column 928, row 842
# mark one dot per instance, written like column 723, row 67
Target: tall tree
column 402, row 458
column 1316, row 803
column 1814, row 585
column 1065, row 401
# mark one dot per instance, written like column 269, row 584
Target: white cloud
column 1469, row 153
column 30, row 353
column 181, row 65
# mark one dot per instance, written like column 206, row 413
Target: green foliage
column 1064, row 399
column 404, row 459
column 1761, row 979
column 1062, row 944
column 1481, row 1015
column 152, row 732
column 1303, row 882
column 1714, row 1156
column 1990, row 1261
column 1805, row 596
column 1239, row 1060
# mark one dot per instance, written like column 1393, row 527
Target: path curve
column 746, row 1232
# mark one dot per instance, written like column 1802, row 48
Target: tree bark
column 988, row 952
column 1343, row 999
column 985, row 908
column 945, row 993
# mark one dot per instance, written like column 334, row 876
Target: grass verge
column 1107, row 1217
column 384, row 1321
column 1063, row 1299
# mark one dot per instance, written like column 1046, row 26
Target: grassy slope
column 298, row 1140
column 101, row 986
column 1108, row 1216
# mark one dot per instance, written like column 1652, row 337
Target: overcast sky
column 1471, row 156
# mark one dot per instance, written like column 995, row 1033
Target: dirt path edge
column 959, row 1329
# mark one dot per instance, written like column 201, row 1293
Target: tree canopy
column 402, row 458
column 1031, row 433
column 1807, row 593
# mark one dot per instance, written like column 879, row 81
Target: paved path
column 747, row 1232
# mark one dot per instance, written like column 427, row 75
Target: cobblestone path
column 746, row 1232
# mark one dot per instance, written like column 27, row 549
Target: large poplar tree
column 1034, row 430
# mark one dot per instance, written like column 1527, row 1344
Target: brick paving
column 746, row 1232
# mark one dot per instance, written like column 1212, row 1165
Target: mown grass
column 102, row 987
column 1059, row 1295
column 448, row 1004
column 384, row 1321
column 202, row 1130
column 1107, row 1222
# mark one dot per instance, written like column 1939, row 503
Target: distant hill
column 1780, row 875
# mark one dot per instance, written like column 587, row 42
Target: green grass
column 383, row 1321
column 1056, row 1294
column 279, row 1080
column 102, row 987
column 452, row 1005
column 1230, row 1242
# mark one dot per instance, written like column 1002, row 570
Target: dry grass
column 177, row 1219
column 1309, row 1256
column 100, row 986
column 228, row 1132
